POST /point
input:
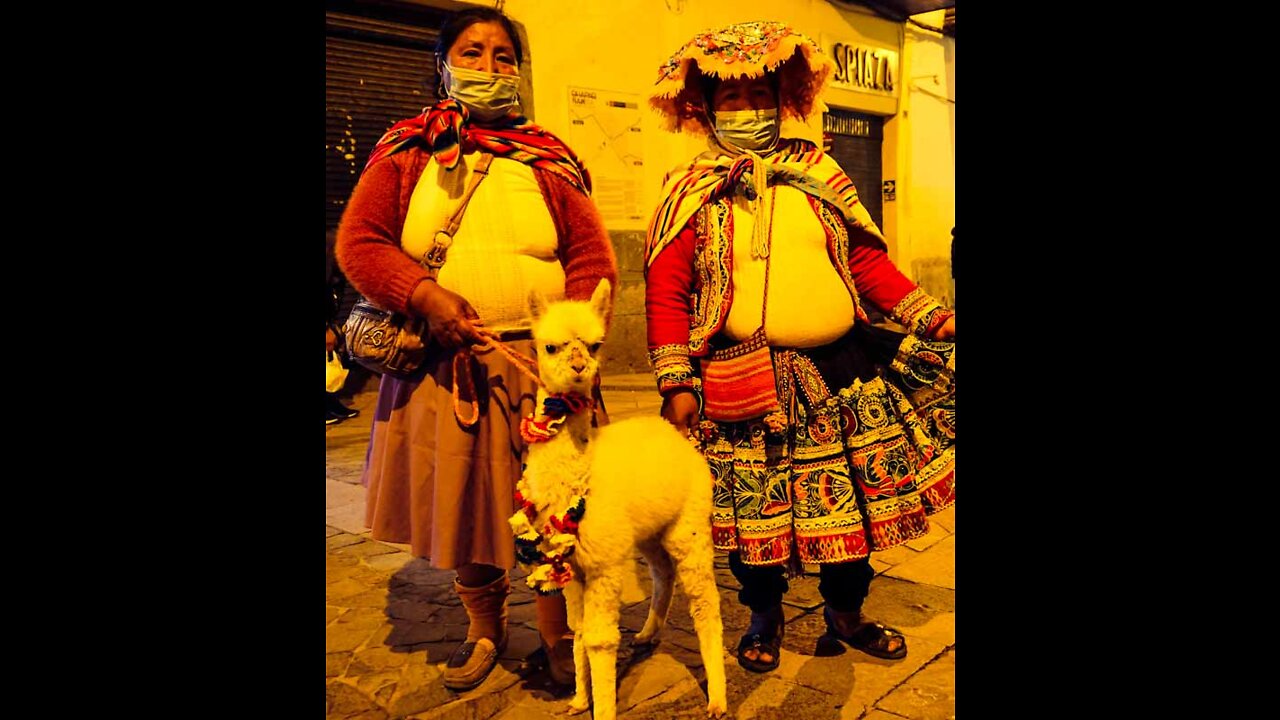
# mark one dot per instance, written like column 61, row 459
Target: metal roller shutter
column 379, row 69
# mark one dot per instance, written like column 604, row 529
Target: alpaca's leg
column 582, row 678
column 601, row 600
column 689, row 542
column 663, row 574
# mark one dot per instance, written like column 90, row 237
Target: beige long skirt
column 444, row 489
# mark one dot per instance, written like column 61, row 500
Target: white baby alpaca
column 646, row 488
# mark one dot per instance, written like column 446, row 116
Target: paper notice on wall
column 604, row 131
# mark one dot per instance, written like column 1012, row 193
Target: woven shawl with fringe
column 445, row 131
column 712, row 176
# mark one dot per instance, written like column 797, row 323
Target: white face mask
column 748, row 129
column 487, row 96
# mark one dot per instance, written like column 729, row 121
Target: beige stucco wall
column 618, row 45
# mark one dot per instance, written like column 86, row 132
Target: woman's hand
column 947, row 330
column 680, row 408
column 451, row 319
column 330, row 340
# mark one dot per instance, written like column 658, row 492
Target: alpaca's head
column 567, row 336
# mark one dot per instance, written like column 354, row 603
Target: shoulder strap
column 434, row 259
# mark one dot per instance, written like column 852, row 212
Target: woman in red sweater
column 445, row 488
column 833, row 438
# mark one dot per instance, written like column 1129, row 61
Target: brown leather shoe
column 560, row 661
column 557, row 639
column 470, row 663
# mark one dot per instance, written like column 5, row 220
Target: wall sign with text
column 863, row 68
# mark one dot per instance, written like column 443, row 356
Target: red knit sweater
column 368, row 245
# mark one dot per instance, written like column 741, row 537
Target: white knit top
column 809, row 305
column 505, row 246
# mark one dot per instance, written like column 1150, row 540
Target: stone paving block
column 803, row 593
column 806, row 635
column 773, row 696
column 937, row 566
column 336, row 593
column 927, row 695
column 946, row 519
column 485, row 701
column 419, row 572
column 330, row 531
column 341, row 540
column 420, row 688
column 879, row 565
column 368, row 715
column 344, row 505
column 632, row 617
column 688, row 655
column 345, row 702
column 375, row 597
column 350, row 631
column 636, row 584
column 880, row 715
column 335, row 664
column 895, row 555
column 524, row 707
column 352, row 570
column 672, row 637
column 939, row 628
column 874, row 678
column 656, row 680
column 907, row 605
column 378, row 685
column 521, row 643
column 348, row 517
column 388, row 563
column 408, row 609
column 332, row 613
column 339, row 566
column 403, row 633
column 347, row 476
column 365, row 549
column 376, row 659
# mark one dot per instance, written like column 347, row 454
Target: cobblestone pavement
column 391, row 621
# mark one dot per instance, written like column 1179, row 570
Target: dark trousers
column 842, row 585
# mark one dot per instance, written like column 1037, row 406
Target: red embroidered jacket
column 688, row 292
column 368, row 245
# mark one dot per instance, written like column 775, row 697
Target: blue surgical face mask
column 748, row 129
column 487, row 96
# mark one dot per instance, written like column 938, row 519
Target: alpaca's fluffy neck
column 556, row 470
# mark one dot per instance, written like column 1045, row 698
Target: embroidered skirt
column 868, row 453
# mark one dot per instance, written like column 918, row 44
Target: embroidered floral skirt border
column 858, row 469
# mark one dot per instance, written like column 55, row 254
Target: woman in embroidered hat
column 828, row 438
column 442, row 485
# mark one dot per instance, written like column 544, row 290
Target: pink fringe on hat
column 745, row 49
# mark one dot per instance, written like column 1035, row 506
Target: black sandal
column 764, row 635
column 872, row 638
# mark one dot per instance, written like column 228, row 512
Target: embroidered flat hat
column 749, row 49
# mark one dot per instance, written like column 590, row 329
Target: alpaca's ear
column 537, row 304
column 600, row 298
